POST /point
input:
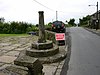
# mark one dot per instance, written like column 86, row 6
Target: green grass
column 7, row 35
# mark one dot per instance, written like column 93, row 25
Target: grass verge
column 7, row 35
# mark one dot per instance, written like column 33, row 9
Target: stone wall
column 50, row 36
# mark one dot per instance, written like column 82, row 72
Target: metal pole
column 97, row 21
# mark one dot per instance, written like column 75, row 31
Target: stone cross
column 42, row 38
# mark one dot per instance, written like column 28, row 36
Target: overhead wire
column 43, row 5
column 48, row 7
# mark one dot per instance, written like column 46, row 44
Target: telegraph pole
column 56, row 15
column 97, row 19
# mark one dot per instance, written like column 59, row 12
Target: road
column 85, row 53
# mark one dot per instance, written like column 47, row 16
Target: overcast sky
column 27, row 10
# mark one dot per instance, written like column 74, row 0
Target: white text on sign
column 60, row 36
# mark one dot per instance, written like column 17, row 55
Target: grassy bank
column 7, row 35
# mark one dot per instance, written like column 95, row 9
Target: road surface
column 85, row 53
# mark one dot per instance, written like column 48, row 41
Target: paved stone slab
column 2, row 52
column 17, row 70
column 27, row 44
column 62, row 62
column 60, row 67
column 16, row 45
column 4, row 44
column 22, row 40
column 4, row 66
column 19, row 49
column 6, row 39
column 13, row 53
column 2, row 73
column 7, row 59
column 8, row 48
column 6, row 72
column 58, row 72
column 49, row 70
column 54, row 64
column 1, row 64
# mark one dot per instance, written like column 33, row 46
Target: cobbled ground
column 10, row 48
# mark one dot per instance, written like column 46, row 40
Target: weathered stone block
column 39, row 46
column 33, row 64
column 7, row 59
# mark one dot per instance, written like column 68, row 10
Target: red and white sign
column 60, row 36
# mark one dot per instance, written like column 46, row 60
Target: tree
column 2, row 19
column 16, row 27
column 1, row 27
column 84, row 21
column 72, row 22
column 48, row 26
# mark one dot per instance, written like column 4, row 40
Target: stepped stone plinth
column 48, row 50
column 39, row 46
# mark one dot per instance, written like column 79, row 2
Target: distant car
column 32, row 33
column 58, row 26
